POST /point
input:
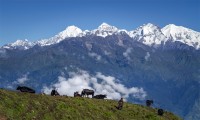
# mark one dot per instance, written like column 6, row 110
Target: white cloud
column 22, row 79
column 147, row 56
column 88, row 46
column 94, row 55
column 126, row 53
column 106, row 52
column 100, row 83
column 120, row 88
column 10, row 87
column 120, row 42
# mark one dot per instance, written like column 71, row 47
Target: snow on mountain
column 21, row 44
column 148, row 34
column 182, row 34
column 71, row 31
column 104, row 30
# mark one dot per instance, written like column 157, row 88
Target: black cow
column 54, row 93
column 87, row 92
column 160, row 112
column 100, row 96
column 149, row 103
column 76, row 94
column 25, row 89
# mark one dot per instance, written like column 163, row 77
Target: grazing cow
column 149, row 103
column 100, row 96
column 160, row 112
column 54, row 93
column 76, row 94
column 87, row 92
column 25, row 89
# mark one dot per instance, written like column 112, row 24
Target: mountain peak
column 106, row 27
column 149, row 25
column 22, row 44
column 70, row 31
column 171, row 28
column 149, row 28
column 104, row 30
column 149, row 34
column 19, row 42
column 171, row 25
column 182, row 34
column 104, row 24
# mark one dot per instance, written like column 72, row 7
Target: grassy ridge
column 25, row 106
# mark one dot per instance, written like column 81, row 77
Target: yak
column 54, row 93
column 25, row 89
column 149, row 103
column 76, row 94
column 160, row 112
column 100, row 96
column 87, row 92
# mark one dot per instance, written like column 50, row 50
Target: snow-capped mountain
column 71, row 31
column 104, row 30
column 19, row 44
column 148, row 34
column 182, row 34
column 169, row 74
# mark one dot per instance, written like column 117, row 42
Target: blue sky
column 38, row 19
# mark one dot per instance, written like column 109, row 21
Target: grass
column 25, row 106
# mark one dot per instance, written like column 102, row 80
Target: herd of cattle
column 84, row 93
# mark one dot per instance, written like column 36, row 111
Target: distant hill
column 25, row 106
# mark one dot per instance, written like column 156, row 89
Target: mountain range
column 149, row 62
column 147, row 34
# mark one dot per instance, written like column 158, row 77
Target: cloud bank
column 100, row 83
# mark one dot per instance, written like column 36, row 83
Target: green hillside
column 25, row 106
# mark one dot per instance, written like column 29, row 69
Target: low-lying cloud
column 95, row 55
column 147, row 56
column 100, row 83
column 126, row 53
column 22, row 79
